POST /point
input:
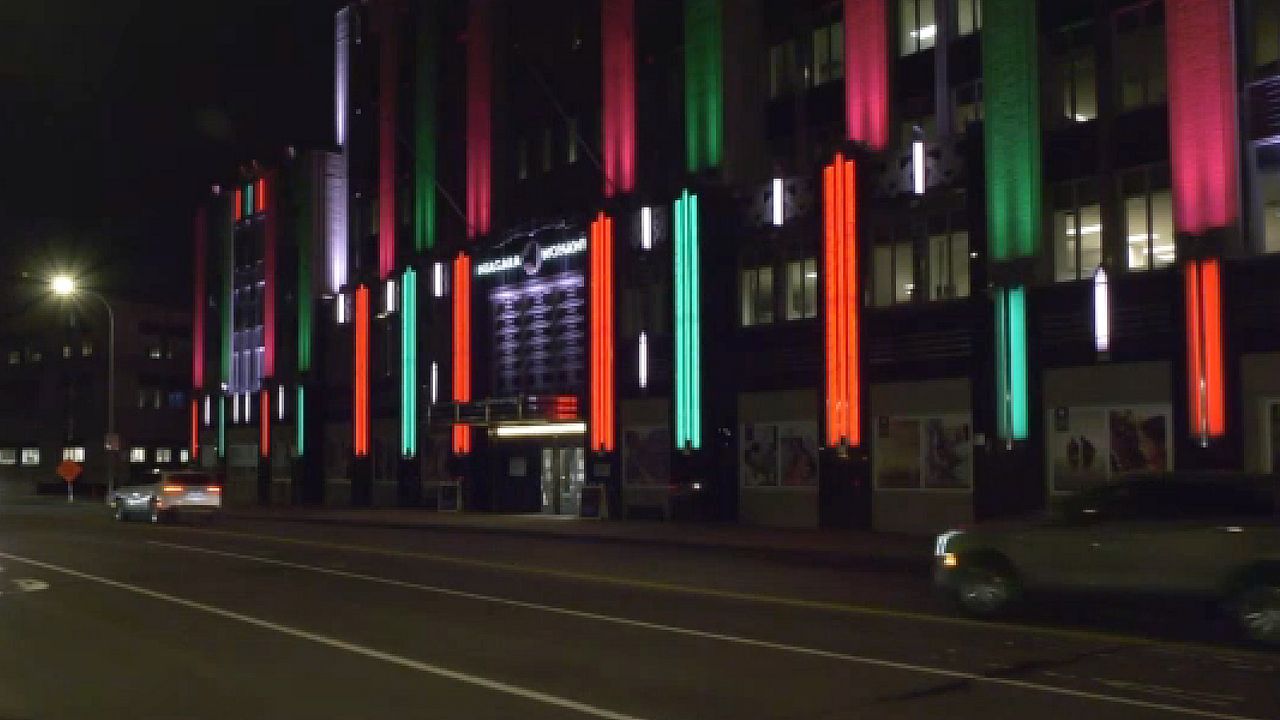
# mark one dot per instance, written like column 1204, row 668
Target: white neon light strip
column 551, row 429
column 437, row 280
column 435, row 382
column 208, row 410
column 1101, row 312
column 235, row 409
column 280, row 401
column 777, row 202
column 341, row 72
column 340, row 306
column 646, row 228
column 642, row 364
column 917, row 166
column 389, row 305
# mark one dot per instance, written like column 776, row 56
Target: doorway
column 563, row 475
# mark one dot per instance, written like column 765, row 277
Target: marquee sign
column 532, row 257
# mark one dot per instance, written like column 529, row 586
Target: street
column 257, row 619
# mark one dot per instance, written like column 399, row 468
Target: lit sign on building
column 533, row 256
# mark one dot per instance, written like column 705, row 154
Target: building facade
column 883, row 263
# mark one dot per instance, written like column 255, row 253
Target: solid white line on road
column 350, row 647
column 751, row 642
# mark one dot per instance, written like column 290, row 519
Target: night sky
column 117, row 116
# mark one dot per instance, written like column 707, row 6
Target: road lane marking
column 1198, row 649
column 344, row 645
column 707, row 635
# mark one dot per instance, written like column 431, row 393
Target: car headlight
column 948, row 560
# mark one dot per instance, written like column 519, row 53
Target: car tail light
column 215, row 489
column 172, row 488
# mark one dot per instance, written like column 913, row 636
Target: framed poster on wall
column 646, row 455
column 1091, row 445
column 1271, row 435
column 923, row 452
column 798, row 454
column 759, row 455
column 778, row 455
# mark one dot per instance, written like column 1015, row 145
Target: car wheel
column 986, row 590
column 1257, row 612
column 122, row 515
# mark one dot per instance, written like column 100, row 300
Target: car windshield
column 190, row 479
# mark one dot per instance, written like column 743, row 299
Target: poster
column 1273, row 429
column 897, row 453
column 759, row 455
column 798, row 454
column 646, row 455
column 948, row 454
column 1139, row 440
column 1078, row 443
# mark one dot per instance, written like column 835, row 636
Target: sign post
column 69, row 471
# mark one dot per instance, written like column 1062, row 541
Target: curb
column 844, row 559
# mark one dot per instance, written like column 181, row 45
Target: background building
column 889, row 263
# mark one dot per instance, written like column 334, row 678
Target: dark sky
column 117, row 115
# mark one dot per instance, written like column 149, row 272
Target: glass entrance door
column 563, row 475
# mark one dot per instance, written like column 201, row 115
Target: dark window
column 1074, row 80
column 1266, row 33
column 1140, row 55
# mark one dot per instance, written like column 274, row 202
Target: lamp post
column 66, row 286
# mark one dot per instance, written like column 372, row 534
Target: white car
column 171, row 495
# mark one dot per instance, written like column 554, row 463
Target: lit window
column 522, row 159
column 1148, row 216
column 1077, row 231
column 184, row 456
column 802, row 289
column 918, row 26
column 949, row 264
column 1140, row 56
column 30, row 456
column 8, row 456
column 1267, row 197
column 892, row 274
column 137, row 454
column 155, row 398
column 1266, row 33
column 86, row 348
column 968, row 16
column 142, row 398
column 15, row 357
column 74, row 454
column 66, row 352
column 828, row 53
column 757, row 295
column 164, row 455
column 1075, row 75
column 34, row 355
column 571, row 139
column 966, row 99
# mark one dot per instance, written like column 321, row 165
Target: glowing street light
column 63, row 285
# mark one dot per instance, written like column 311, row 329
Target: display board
column 778, row 455
column 923, row 452
column 1091, row 445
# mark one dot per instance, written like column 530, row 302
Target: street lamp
column 66, row 286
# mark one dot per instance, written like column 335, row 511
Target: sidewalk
column 832, row 547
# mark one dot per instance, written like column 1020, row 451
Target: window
column 892, row 274
column 548, row 142
column 164, row 455
column 522, row 159
column 757, row 295
column 802, row 289
column 571, row 140
column 74, row 454
column 918, row 27
column 967, row 101
column 1075, row 75
column 137, row 454
column 968, row 16
column 142, row 398
column 828, row 53
column 15, row 357
column 1267, row 197
column 34, row 355
column 1266, row 33
column 184, row 456
column 30, row 456
column 1148, row 218
column 1140, row 55
column 782, row 69
column 86, row 348
column 177, row 400
column 8, row 456
column 1077, row 230
column 948, row 264
column 66, row 352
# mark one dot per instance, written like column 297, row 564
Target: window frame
column 750, row 305
column 1078, row 188
column 1159, row 172
column 1140, row 11
column 904, row 31
column 29, row 456
column 808, row 288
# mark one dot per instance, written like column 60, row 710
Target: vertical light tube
column 687, row 309
column 779, row 210
column 462, row 347
column 389, row 296
column 917, row 166
column 602, row 336
column 1205, row 374
column 222, row 426
column 337, row 164
column 280, row 401
column 866, row 74
column 235, row 409
column 195, row 428
column 424, row 134
column 1011, row 362
column 227, row 292
column 646, row 228
column 305, row 231
column 200, row 241
column 479, row 116
column 388, row 98
column 642, row 361
column 341, row 73
column 1101, row 312
column 208, row 410
column 435, row 382
column 1202, row 113
column 360, row 375
column 618, row 114
column 264, row 424
column 437, row 280
column 269, row 241
column 703, row 84
column 300, row 421
column 409, row 363
column 843, row 382
column 1011, row 89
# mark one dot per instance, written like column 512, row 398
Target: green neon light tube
column 688, row 345
column 424, row 118
column 222, row 426
column 304, row 235
column 1011, row 363
column 703, row 84
column 300, row 414
column 409, row 363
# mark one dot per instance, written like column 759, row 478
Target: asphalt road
column 274, row 620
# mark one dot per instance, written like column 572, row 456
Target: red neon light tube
column 841, row 296
column 866, row 75
column 1205, row 381
column 462, row 347
column 1202, row 113
column 479, row 117
column 271, row 233
column 618, row 114
column 360, row 375
column 198, row 300
column 239, row 204
column 388, row 64
column 195, row 428
column 260, row 195
column 264, row 423
column 603, row 435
